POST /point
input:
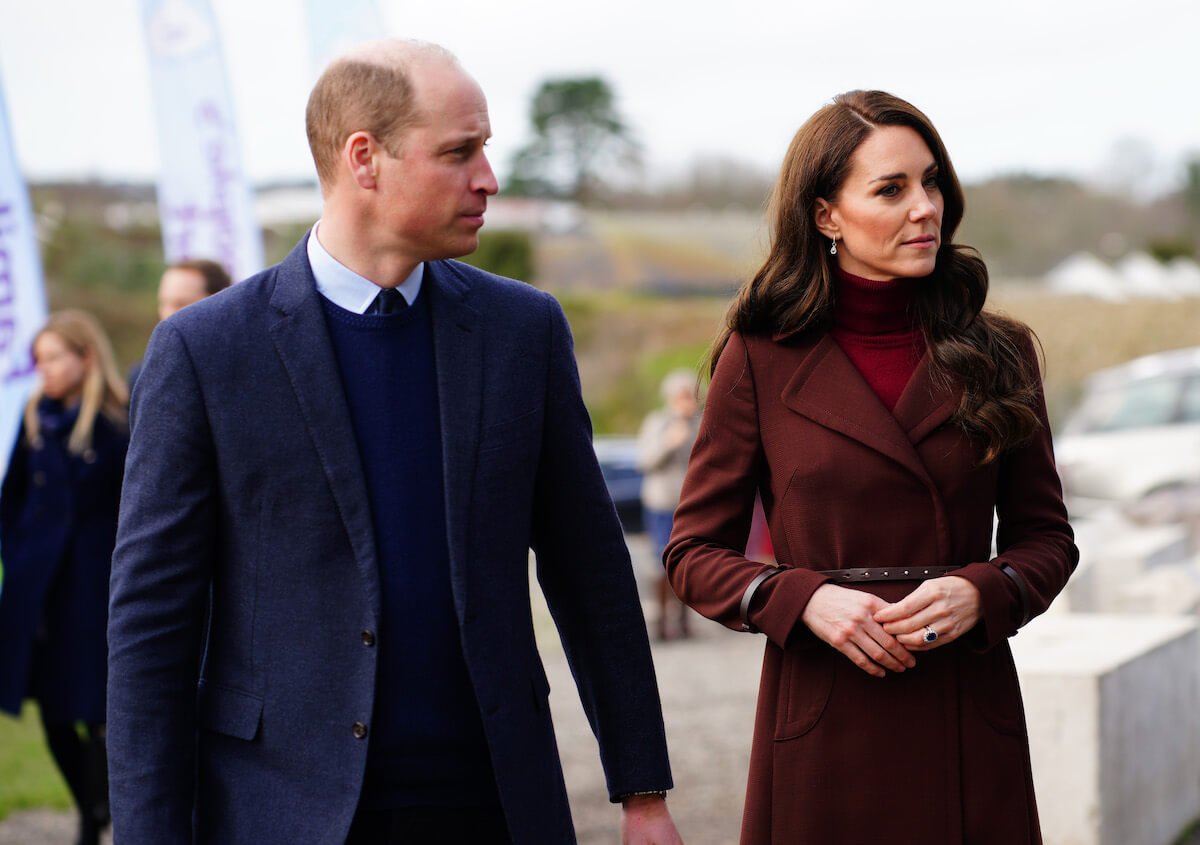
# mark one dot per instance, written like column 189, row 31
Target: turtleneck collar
column 865, row 306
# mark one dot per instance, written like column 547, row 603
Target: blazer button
column 39, row 479
column 368, row 638
column 359, row 729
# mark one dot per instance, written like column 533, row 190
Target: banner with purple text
column 22, row 296
column 204, row 198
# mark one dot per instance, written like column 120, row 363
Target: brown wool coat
column 937, row 755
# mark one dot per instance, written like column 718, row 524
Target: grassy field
column 28, row 777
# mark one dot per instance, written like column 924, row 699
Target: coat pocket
column 804, row 689
column 992, row 689
column 229, row 711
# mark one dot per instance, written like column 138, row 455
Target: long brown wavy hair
column 793, row 291
column 104, row 390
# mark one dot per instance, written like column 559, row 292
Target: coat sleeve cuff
column 1000, row 604
column 779, row 603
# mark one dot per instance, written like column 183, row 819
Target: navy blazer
column 244, row 493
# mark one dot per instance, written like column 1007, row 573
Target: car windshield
column 1135, row 404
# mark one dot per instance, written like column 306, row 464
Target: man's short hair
column 367, row 90
column 216, row 277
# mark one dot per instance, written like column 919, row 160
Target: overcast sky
column 1025, row 85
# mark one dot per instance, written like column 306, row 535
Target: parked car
column 618, row 463
column 1135, row 433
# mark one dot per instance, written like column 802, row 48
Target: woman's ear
column 823, row 217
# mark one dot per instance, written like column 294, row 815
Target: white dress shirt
column 345, row 288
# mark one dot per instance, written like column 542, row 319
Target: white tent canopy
column 1083, row 274
column 1136, row 275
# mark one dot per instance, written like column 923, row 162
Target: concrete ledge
column 1113, row 705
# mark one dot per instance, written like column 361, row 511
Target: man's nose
column 484, row 178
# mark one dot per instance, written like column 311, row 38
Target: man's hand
column 645, row 820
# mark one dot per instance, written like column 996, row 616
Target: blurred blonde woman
column 58, row 523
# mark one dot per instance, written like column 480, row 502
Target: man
column 320, row 628
column 183, row 283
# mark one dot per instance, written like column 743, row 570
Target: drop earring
column 833, row 247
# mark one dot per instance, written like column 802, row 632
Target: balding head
column 370, row 89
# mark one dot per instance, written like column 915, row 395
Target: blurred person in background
column 182, row 284
column 664, row 443
column 58, row 524
column 883, row 416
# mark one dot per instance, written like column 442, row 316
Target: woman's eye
column 932, row 182
column 889, row 191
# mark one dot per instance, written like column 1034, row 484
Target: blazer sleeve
column 1035, row 545
column 584, row 570
column 162, row 567
column 705, row 559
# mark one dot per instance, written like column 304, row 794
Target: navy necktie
column 389, row 301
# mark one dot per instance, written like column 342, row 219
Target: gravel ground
column 708, row 687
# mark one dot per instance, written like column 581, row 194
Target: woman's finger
column 914, row 602
column 860, row 659
column 886, row 651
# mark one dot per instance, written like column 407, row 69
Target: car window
column 1189, row 410
column 1136, row 404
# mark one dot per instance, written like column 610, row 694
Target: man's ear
column 824, row 217
column 359, row 156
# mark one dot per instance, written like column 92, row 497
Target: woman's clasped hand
column 876, row 635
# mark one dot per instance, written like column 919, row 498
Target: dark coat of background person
column 58, row 524
column 265, row 500
column 941, row 749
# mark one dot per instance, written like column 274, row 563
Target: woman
column 664, row 443
column 58, row 524
column 883, row 417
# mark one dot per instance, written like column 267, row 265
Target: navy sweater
column 427, row 742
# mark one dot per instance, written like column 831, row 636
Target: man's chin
column 462, row 248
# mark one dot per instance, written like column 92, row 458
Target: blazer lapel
column 301, row 338
column 828, row 389
column 458, row 355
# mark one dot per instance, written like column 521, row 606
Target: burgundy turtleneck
column 873, row 324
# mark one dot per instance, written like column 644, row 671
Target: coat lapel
column 926, row 402
column 828, row 389
column 301, row 338
column 458, row 355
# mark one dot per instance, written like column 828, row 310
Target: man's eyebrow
column 902, row 175
column 469, row 136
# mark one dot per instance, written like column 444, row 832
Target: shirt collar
column 347, row 289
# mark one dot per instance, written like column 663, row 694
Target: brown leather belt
column 889, row 573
